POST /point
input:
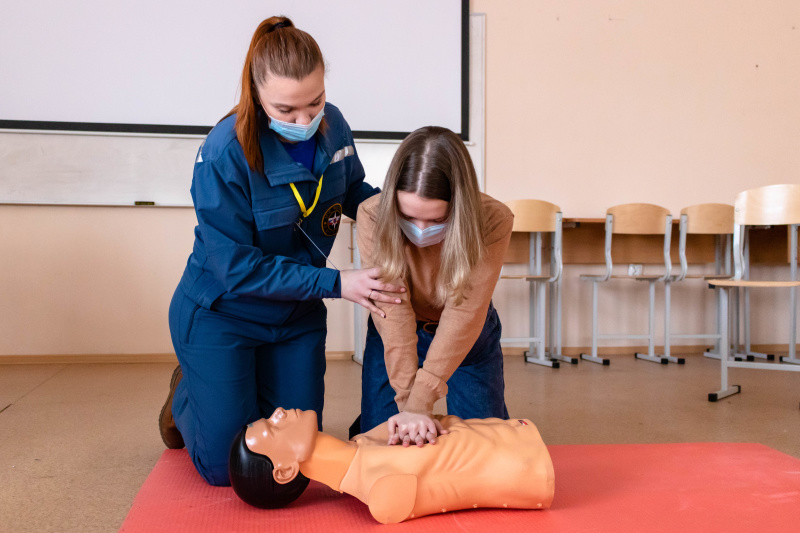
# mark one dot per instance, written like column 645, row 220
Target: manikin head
column 265, row 458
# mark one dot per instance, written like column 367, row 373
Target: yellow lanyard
column 308, row 211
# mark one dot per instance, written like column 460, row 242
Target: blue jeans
column 475, row 390
column 235, row 372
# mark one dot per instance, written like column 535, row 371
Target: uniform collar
column 280, row 168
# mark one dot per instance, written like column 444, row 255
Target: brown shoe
column 169, row 432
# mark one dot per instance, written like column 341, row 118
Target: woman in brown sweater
column 433, row 232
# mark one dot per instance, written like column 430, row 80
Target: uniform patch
column 331, row 220
column 341, row 154
column 200, row 152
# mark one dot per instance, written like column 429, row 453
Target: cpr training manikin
column 477, row 463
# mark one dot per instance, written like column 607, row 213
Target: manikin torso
column 478, row 464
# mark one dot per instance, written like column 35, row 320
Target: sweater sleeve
column 460, row 325
column 398, row 330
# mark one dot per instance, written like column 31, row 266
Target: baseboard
column 127, row 358
column 339, row 356
column 692, row 349
column 773, row 348
column 64, row 359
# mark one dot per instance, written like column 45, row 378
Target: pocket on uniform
column 208, row 329
column 275, row 218
column 190, row 322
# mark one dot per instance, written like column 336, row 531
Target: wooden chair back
column 772, row 205
column 533, row 215
column 705, row 219
column 768, row 206
column 709, row 219
column 639, row 219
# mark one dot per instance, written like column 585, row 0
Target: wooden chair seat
column 749, row 283
column 526, row 277
column 646, row 277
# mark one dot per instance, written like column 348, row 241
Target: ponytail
column 277, row 48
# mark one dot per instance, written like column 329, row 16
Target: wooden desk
column 583, row 242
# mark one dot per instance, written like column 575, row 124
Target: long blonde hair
column 433, row 163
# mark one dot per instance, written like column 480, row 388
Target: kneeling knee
column 216, row 476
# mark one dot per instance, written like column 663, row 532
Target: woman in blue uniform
column 271, row 183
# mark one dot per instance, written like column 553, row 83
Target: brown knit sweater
column 417, row 389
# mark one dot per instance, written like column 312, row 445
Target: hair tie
column 281, row 24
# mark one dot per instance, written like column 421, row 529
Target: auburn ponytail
column 277, row 48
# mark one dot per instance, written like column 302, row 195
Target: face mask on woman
column 423, row 237
column 296, row 132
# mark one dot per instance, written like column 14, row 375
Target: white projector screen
column 174, row 67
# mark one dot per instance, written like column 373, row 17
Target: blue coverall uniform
column 247, row 320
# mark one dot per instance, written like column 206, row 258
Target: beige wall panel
column 98, row 280
column 594, row 104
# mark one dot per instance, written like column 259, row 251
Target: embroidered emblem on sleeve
column 331, row 220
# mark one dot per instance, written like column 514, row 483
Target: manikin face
column 286, row 437
column 422, row 212
column 290, row 100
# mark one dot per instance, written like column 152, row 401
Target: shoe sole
column 168, row 404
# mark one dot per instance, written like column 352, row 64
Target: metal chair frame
column 745, row 351
column 545, row 306
column 722, row 254
column 774, row 199
column 741, row 317
column 596, row 280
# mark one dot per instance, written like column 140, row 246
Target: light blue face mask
column 296, row 132
column 423, row 237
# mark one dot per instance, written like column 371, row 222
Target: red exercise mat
column 703, row 487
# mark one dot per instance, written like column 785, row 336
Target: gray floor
column 77, row 441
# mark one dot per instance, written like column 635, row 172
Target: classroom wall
column 588, row 105
column 591, row 104
column 80, row 280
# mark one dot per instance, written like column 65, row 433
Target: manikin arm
column 392, row 498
